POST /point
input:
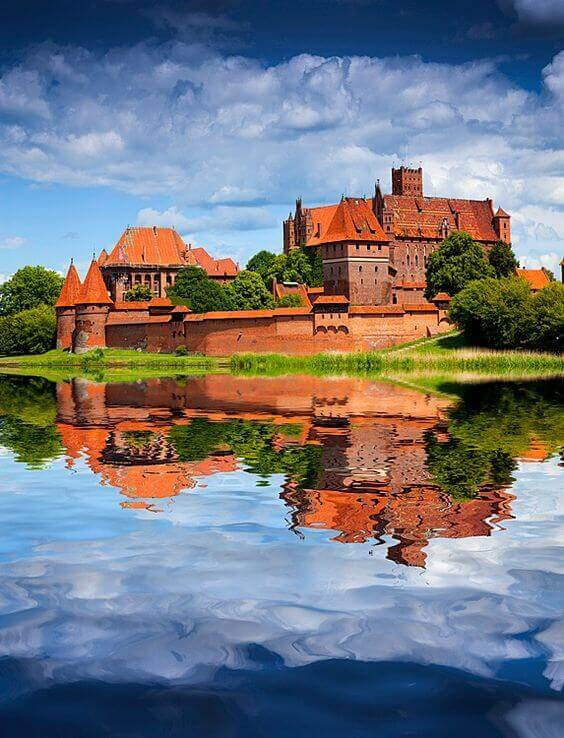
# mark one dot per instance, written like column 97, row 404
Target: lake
column 236, row 556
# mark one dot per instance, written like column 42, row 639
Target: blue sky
column 214, row 116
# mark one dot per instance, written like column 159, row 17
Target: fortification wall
column 295, row 332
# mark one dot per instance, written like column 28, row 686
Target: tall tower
column 65, row 308
column 406, row 181
column 502, row 225
column 92, row 308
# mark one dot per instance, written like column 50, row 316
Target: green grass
column 448, row 354
column 108, row 358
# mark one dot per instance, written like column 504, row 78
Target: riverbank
column 447, row 353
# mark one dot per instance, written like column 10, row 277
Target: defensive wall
column 295, row 331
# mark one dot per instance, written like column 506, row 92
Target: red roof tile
column 500, row 213
column 94, row 290
column 155, row 246
column 353, row 220
column 423, row 216
column 332, row 300
column 535, row 278
column 70, row 290
column 442, row 297
column 376, row 310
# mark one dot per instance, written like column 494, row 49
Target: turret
column 502, row 225
column 65, row 308
column 92, row 308
column 407, row 181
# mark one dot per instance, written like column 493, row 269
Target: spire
column 94, row 290
column 501, row 213
column 70, row 290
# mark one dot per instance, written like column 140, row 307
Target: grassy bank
column 109, row 358
column 445, row 354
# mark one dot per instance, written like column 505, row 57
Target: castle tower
column 502, row 225
column 65, row 308
column 92, row 308
column 406, row 181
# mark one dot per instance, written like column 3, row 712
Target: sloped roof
column 321, row 218
column 500, row 213
column 535, row 278
column 353, row 220
column 70, row 290
column 94, row 290
column 155, row 246
column 423, row 216
column 301, row 290
column 102, row 257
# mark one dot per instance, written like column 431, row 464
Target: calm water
column 226, row 556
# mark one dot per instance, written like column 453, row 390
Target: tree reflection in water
column 367, row 460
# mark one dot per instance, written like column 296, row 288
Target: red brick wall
column 65, row 327
column 296, row 334
column 90, row 329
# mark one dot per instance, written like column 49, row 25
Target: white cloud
column 543, row 13
column 12, row 242
column 229, row 139
column 547, row 261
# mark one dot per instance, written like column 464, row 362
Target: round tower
column 65, row 308
column 92, row 308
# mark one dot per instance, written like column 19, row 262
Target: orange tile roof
column 353, row 220
column 301, row 290
column 535, row 278
column 155, row 246
column 103, row 256
column 70, row 290
column 423, row 216
column 332, row 300
column 442, row 296
column 500, row 213
column 321, row 218
column 376, row 310
column 420, row 307
column 94, row 290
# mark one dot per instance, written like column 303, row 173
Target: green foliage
column 197, row 291
column 29, row 288
column 502, row 259
column 28, row 332
column 290, row 301
column 457, row 261
column 302, row 265
column 547, row 324
column 494, row 312
column 138, row 293
column 181, row 351
column 263, row 264
column 27, row 420
column 248, row 292
column 502, row 313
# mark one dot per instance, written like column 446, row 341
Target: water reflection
column 370, row 461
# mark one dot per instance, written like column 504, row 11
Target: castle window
column 369, row 247
column 360, row 268
column 357, row 247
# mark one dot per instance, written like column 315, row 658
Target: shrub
column 138, row 293
column 29, row 331
column 181, row 351
column 457, row 261
column 547, row 324
column 197, row 291
column 494, row 312
column 290, row 301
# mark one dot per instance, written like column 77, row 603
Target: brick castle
column 374, row 253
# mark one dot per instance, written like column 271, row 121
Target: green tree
column 249, row 292
column 502, row 259
column 457, row 261
column 138, row 293
column 197, row 291
column 263, row 264
column 28, row 288
column 297, row 267
column 494, row 312
column 290, row 301
column 547, row 324
column 29, row 331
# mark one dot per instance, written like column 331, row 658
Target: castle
column 374, row 253
column 385, row 263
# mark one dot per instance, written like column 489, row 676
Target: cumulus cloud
column 239, row 139
column 543, row 261
column 11, row 242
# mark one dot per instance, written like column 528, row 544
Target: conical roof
column 70, row 290
column 501, row 213
column 102, row 257
column 94, row 290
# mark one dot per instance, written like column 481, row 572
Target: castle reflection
column 360, row 458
